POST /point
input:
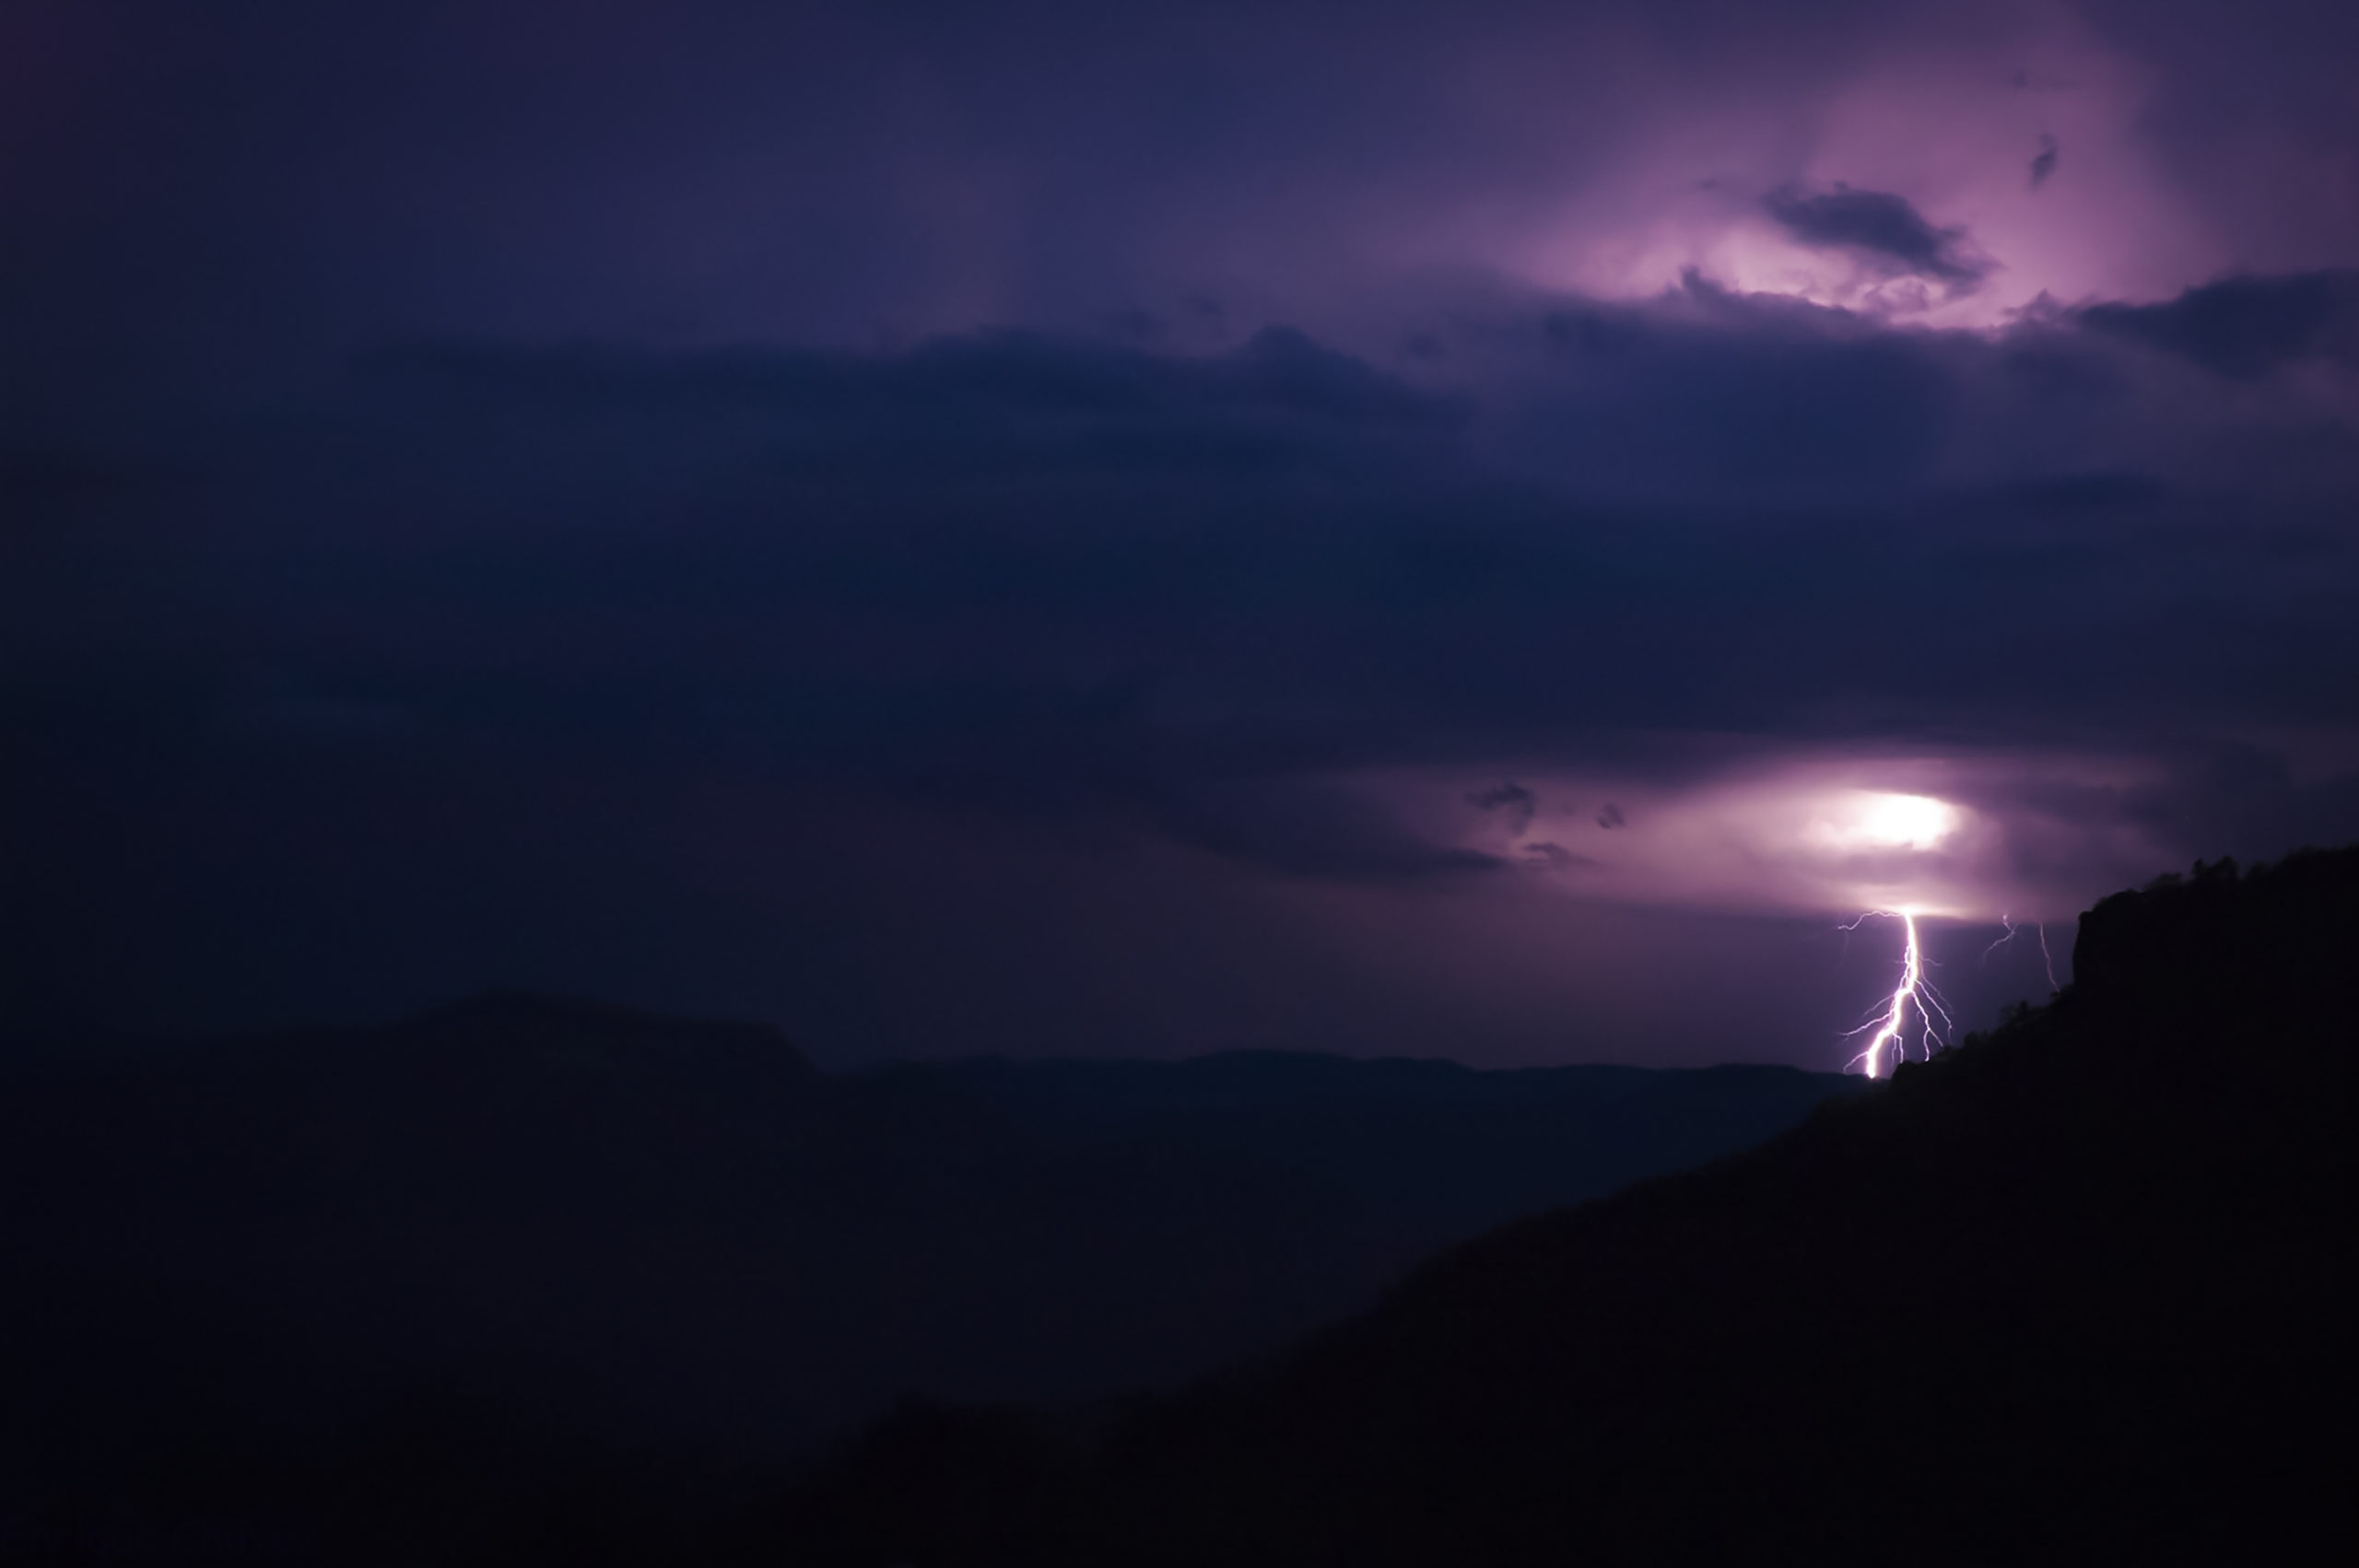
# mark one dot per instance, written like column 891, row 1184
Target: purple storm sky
column 1472, row 530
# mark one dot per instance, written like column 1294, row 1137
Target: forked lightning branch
column 1914, row 1006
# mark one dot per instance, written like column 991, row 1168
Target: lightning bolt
column 2002, row 941
column 1914, row 993
column 2046, row 959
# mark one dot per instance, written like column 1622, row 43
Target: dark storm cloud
column 912, row 507
column 1048, row 576
column 1014, row 569
column 230, row 190
column 1516, row 802
column 1697, row 392
column 713, row 646
column 997, row 376
column 2245, row 327
column 1308, row 830
column 1880, row 227
column 224, row 194
column 2043, row 163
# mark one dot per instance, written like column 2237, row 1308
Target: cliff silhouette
column 2073, row 1292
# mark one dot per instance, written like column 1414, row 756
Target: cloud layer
column 1144, row 530
column 1602, row 610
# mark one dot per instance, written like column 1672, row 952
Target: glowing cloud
column 1874, row 819
column 1964, row 838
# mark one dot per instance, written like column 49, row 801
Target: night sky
column 1483, row 529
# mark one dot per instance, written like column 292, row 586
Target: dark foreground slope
column 550, row 1273
column 2071, row 1292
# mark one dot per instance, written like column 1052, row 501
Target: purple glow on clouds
column 1963, row 837
column 1952, row 130
column 500, row 472
column 723, row 173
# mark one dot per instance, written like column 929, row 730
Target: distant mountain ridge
column 1467, row 1148
column 521, row 1228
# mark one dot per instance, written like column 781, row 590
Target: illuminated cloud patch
column 1957, row 838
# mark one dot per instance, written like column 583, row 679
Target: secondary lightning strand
column 2002, row 941
column 2046, row 959
column 1931, row 1004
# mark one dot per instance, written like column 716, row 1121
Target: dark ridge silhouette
column 2075, row 1291
column 528, row 1279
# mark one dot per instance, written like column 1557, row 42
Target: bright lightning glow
column 1914, row 993
column 1876, row 819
